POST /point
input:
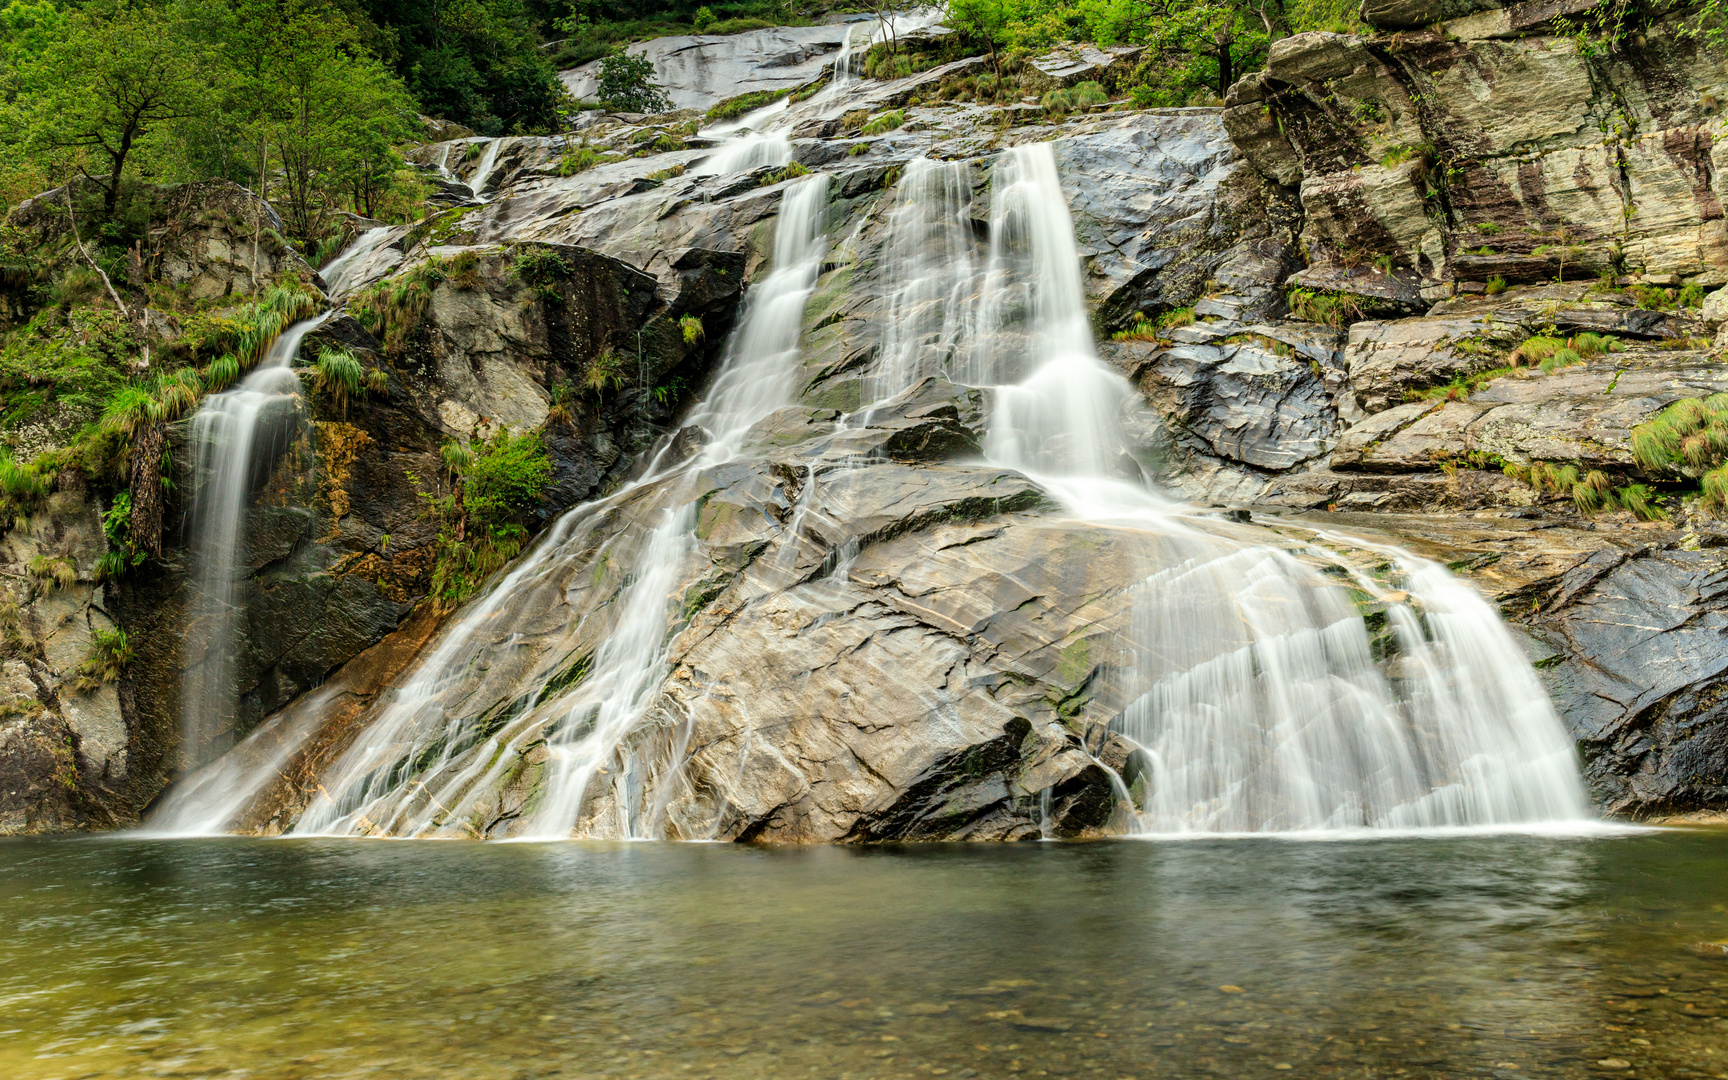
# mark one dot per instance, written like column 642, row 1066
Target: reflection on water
column 1486, row 956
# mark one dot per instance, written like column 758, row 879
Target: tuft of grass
column 888, row 121
column 110, row 655
column 1536, row 349
column 604, row 370
column 792, row 171
column 339, row 377
column 1336, row 310
column 1563, row 357
column 1496, row 285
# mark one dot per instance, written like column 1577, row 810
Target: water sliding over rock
column 414, row 772
column 1264, row 709
column 236, row 437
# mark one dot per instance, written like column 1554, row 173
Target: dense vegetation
column 304, row 99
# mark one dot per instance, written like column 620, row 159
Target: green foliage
column 543, row 270
column 577, row 160
column 734, row 107
column 1691, row 295
column 23, row 487
column 691, row 327
column 888, row 121
column 627, row 84
column 107, row 85
column 704, row 19
column 482, row 516
column 110, row 654
column 1651, row 297
column 1336, row 310
column 123, row 552
column 478, row 62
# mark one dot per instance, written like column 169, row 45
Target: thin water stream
column 235, row 436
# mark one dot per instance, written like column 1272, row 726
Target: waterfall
column 930, row 248
column 343, row 273
column 1264, row 709
column 236, row 435
column 1257, row 698
column 415, row 772
column 488, row 159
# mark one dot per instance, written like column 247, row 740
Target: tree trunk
column 1226, row 73
column 147, row 488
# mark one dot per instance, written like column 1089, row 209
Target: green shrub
column 482, row 516
column 691, row 327
column 578, row 160
column 1496, row 285
column 541, row 269
column 627, row 84
column 1085, row 95
column 703, row 19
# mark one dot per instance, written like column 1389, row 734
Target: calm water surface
column 1487, row 956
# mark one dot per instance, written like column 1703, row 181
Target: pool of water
column 1506, row 956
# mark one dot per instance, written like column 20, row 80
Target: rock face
column 337, row 545
column 65, row 747
column 1471, row 150
column 701, row 70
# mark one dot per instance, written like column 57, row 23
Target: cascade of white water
column 750, row 142
column 346, row 270
column 416, row 771
column 228, row 457
column 1264, row 707
column 929, row 247
column 482, row 173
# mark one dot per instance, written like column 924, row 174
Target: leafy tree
column 627, row 84
column 105, row 87
column 987, row 20
column 477, row 62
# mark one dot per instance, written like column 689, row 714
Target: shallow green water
column 1490, row 956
